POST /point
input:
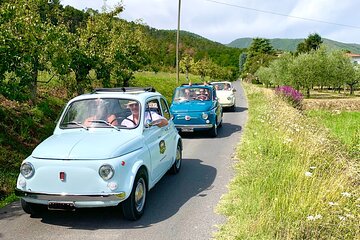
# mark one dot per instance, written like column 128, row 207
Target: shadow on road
column 163, row 201
column 226, row 130
column 237, row 109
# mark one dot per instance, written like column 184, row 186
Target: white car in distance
column 226, row 94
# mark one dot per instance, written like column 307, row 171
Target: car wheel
column 134, row 205
column 213, row 131
column 32, row 208
column 175, row 168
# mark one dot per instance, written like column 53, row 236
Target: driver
column 203, row 94
column 99, row 111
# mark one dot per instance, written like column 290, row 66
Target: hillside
column 200, row 47
column 291, row 44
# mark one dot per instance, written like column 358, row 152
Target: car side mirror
column 148, row 123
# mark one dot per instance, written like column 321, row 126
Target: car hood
column 191, row 106
column 89, row 145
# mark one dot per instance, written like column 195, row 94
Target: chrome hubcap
column 140, row 195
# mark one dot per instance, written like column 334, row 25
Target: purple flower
column 291, row 95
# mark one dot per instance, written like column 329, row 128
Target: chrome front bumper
column 101, row 200
column 195, row 126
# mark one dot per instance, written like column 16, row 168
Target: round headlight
column 205, row 116
column 106, row 172
column 27, row 170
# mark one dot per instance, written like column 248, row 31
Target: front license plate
column 61, row 205
column 187, row 129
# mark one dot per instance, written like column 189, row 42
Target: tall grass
column 291, row 181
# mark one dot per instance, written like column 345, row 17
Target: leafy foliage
column 260, row 53
column 312, row 42
column 307, row 70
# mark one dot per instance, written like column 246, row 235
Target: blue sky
column 226, row 20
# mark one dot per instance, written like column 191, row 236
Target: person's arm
column 159, row 120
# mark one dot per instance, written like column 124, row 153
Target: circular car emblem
column 187, row 118
column 162, row 146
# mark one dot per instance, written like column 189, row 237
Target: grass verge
column 292, row 181
column 343, row 125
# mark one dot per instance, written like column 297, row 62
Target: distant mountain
column 291, row 44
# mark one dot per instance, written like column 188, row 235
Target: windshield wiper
column 105, row 122
column 76, row 123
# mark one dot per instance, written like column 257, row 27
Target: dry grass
column 344, row 104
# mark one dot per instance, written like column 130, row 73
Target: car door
column 157, row 140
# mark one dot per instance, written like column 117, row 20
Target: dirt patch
column 347, row 104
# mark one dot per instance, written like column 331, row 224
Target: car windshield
column 102, row 113
column 192, row 94
column 222, row 86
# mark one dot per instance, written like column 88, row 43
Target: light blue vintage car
column 109, row 147
column 196, row 107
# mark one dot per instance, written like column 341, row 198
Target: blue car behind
column 196, row 108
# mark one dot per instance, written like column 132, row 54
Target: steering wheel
column 201, row 97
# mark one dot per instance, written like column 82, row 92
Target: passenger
column 133, row 120
column 187, row 94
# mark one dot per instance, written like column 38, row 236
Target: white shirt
column 129, row 124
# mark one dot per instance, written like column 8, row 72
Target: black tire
column 175, row 168
column 213, row 131
column 32, row 208
column 134, row 206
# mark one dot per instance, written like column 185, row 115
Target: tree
column 356, row 78
column 26, row 34
column 203, row 68
column 186, row 64
column 260, row 53
column 266, row 75
column 312, row 42
column 343, row 71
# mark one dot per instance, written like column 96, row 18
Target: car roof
column 139, row 94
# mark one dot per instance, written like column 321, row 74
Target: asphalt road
column 179, row 207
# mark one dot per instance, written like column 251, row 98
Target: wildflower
column 289, row 94
column 311, row 218
column 333, row 204
column 312, row 167
column 342, row 218
column 349, row 215
column 346, row 194
column 308, row 174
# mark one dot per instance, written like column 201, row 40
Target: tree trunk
column 33, row 84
